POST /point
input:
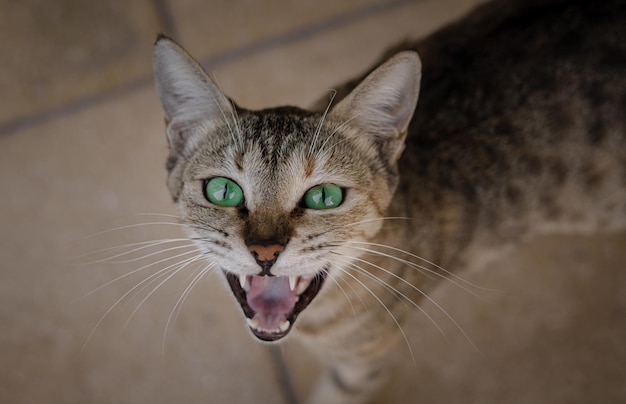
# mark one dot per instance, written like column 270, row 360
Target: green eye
column 221, row 191
column 325, row 196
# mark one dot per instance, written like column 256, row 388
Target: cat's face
column 274, row 197
column 298, row 192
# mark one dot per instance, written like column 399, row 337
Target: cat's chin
column 271, row 304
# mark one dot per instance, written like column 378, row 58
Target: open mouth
column 271, row 304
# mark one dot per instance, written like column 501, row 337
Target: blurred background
column 86, row 223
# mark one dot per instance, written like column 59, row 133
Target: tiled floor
column 82, row 150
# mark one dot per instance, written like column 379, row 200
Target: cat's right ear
column 192, row 102
column 382, row 105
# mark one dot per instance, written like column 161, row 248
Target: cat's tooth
column 242, row 281
column 292, row 282
column 284, row 325
column 253, row 323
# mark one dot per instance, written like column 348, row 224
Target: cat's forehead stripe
column 309, row 168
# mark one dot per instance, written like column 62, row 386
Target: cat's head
column 273, row 197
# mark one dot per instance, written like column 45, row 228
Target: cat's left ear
column 192, row 102
column 382, row 105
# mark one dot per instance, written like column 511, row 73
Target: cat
column 335, row 222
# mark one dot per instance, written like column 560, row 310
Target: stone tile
column 57, row 51
column 93, row 171
column 549, row 332
column 211, row 28
column 299, row 72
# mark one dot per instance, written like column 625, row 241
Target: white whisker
column 110, row 260
column 131, row 273
column 147, row 279
column 442, row 269
column 396, row 291
column 160, row 273
column 336, row 282
column 158, row 215
column 321, row 123
column 130, row 226
column 334, row 132
column 426, row 296
column 425, row 270
column 382, row 304
column 142, row 245
column 177, row 269
column 235, row 135
column 378, row 219
column 207, row 269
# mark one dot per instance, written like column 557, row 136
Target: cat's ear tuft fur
column 382, row 105
column 192, row 102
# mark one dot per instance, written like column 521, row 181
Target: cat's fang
column 243, row 281
column 292, row 282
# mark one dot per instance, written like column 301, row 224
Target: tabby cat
column 333, row 223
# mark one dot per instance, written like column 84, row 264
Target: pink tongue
column 272, row 300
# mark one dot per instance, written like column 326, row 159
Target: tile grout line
column 284, row 375
column 13, row 126
column 301, row 34
column 219, row 60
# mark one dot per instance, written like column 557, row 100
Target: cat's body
column 519, row 129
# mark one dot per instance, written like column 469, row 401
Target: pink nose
column 265, row 253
